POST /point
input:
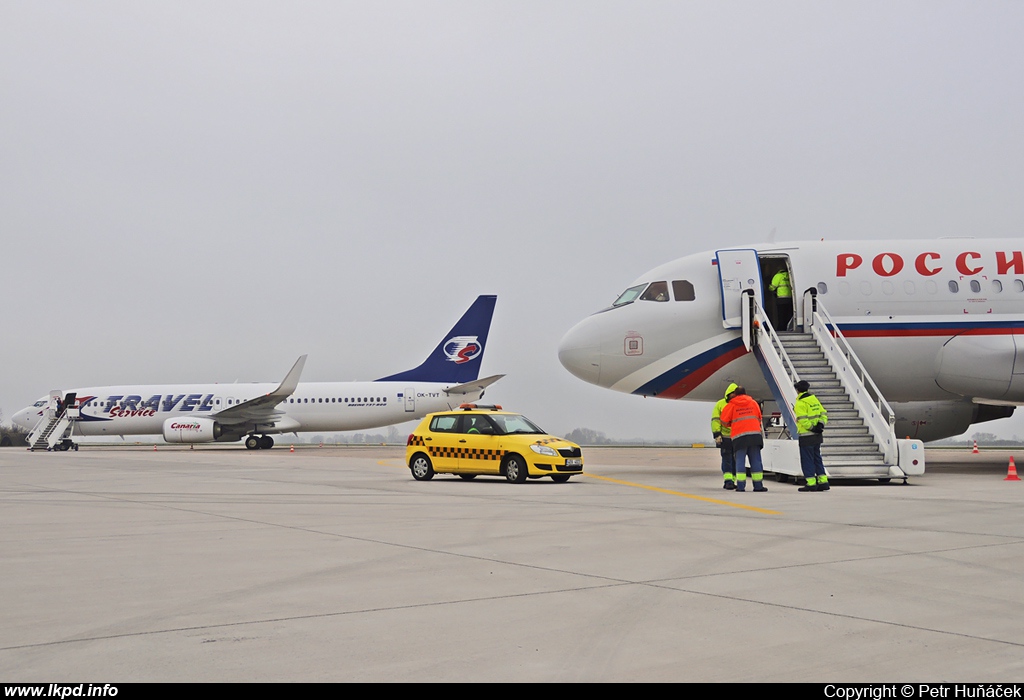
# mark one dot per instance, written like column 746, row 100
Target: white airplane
column 196, row 413
column 934, row 324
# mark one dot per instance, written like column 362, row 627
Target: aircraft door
column 737, row 270
column 410, row 399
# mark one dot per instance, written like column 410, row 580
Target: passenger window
column 954, row 287
column 630, row 295
column 997, row 286
column 1018, row 285
column 908, row 287
column 865, row 288
column 682, row 290
column 658, row 291
column 443, row 424
column 822, row 288
column 888, row 288
column 975, row 286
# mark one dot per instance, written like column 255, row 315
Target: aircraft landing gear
column 263, row 442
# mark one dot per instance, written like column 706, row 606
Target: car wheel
column 515, row 469
column 467, row 477
column 422, row 469
column 560, row 478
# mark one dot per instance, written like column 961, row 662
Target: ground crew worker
column 811, row 418
column 742, row 416
column 783, row 299
column 724, row 441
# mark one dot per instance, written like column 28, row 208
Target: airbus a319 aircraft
column 929, row 334
column 197, row 413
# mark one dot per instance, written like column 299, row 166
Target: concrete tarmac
column 125, row 564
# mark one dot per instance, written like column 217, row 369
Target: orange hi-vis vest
column 742, row 415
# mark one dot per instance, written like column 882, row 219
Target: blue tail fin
column 458, row 356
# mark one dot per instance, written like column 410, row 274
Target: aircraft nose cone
column 580, row 353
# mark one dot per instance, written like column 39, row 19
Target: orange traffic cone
column 293, row 449
column 975, row 450
column 321, row 444
column 1011, row 471
column 154, row 448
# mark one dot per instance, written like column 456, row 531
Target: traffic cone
column 1011, row 471
column 293, row 449
column 154, row 448
column 321, row 444
column 975, row 450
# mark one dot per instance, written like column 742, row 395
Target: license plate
column 573, row 462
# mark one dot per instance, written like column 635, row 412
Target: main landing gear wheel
column 515, row 469
column 252, row 443
column 422, row 469
column 266, row 442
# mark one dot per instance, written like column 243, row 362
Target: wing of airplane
column 474, row 386
column 261, row 409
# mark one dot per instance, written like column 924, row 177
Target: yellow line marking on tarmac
column 684, row 495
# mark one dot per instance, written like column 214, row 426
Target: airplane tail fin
column 458, row 356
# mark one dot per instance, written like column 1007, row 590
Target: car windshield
column 514, row 425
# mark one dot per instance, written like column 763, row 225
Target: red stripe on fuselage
column 694, row 379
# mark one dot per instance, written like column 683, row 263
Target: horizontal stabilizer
column 474, row 386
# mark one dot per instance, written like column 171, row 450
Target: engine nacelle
column 935, row 420
column 191, row 430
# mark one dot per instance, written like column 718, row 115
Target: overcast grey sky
column 203, row 191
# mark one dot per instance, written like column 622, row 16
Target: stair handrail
column 865, row 394
column 774, row 354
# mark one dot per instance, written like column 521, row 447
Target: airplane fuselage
column 933, row 321
column 315, row 406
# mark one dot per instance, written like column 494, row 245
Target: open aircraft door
column 737, row 270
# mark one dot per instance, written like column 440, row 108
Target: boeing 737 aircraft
column 935, row 324
column 228, row 412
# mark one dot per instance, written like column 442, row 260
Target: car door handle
column 461, row 440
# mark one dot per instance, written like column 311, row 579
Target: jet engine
column 191, row 430
column 935, row 420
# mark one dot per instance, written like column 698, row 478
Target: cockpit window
column 630, row 295
column 37, row 404
column 682, row 290
column 658, row 291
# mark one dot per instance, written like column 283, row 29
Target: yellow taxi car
column 477, row 440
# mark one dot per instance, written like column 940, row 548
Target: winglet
column 291, row 381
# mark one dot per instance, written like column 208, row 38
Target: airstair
column 860, row 440
column 53, row 431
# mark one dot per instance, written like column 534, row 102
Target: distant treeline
column 11, row 436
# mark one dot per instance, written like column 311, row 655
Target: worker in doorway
column 811, row 418
column 724, row 441
column 742, row 415
column 783, row 299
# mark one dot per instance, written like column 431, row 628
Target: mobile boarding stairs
column 859, row 440
column 55, row 426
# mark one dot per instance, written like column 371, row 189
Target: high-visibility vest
column 809, row 412
column 780, row 282
column 742, row 415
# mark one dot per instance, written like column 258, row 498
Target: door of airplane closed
column 737, row 270
column 410, row 399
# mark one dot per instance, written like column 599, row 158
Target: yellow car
column 477, row 440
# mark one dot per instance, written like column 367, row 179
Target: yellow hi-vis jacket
column 809, row 412
column 716, row 415
column 780, row 285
